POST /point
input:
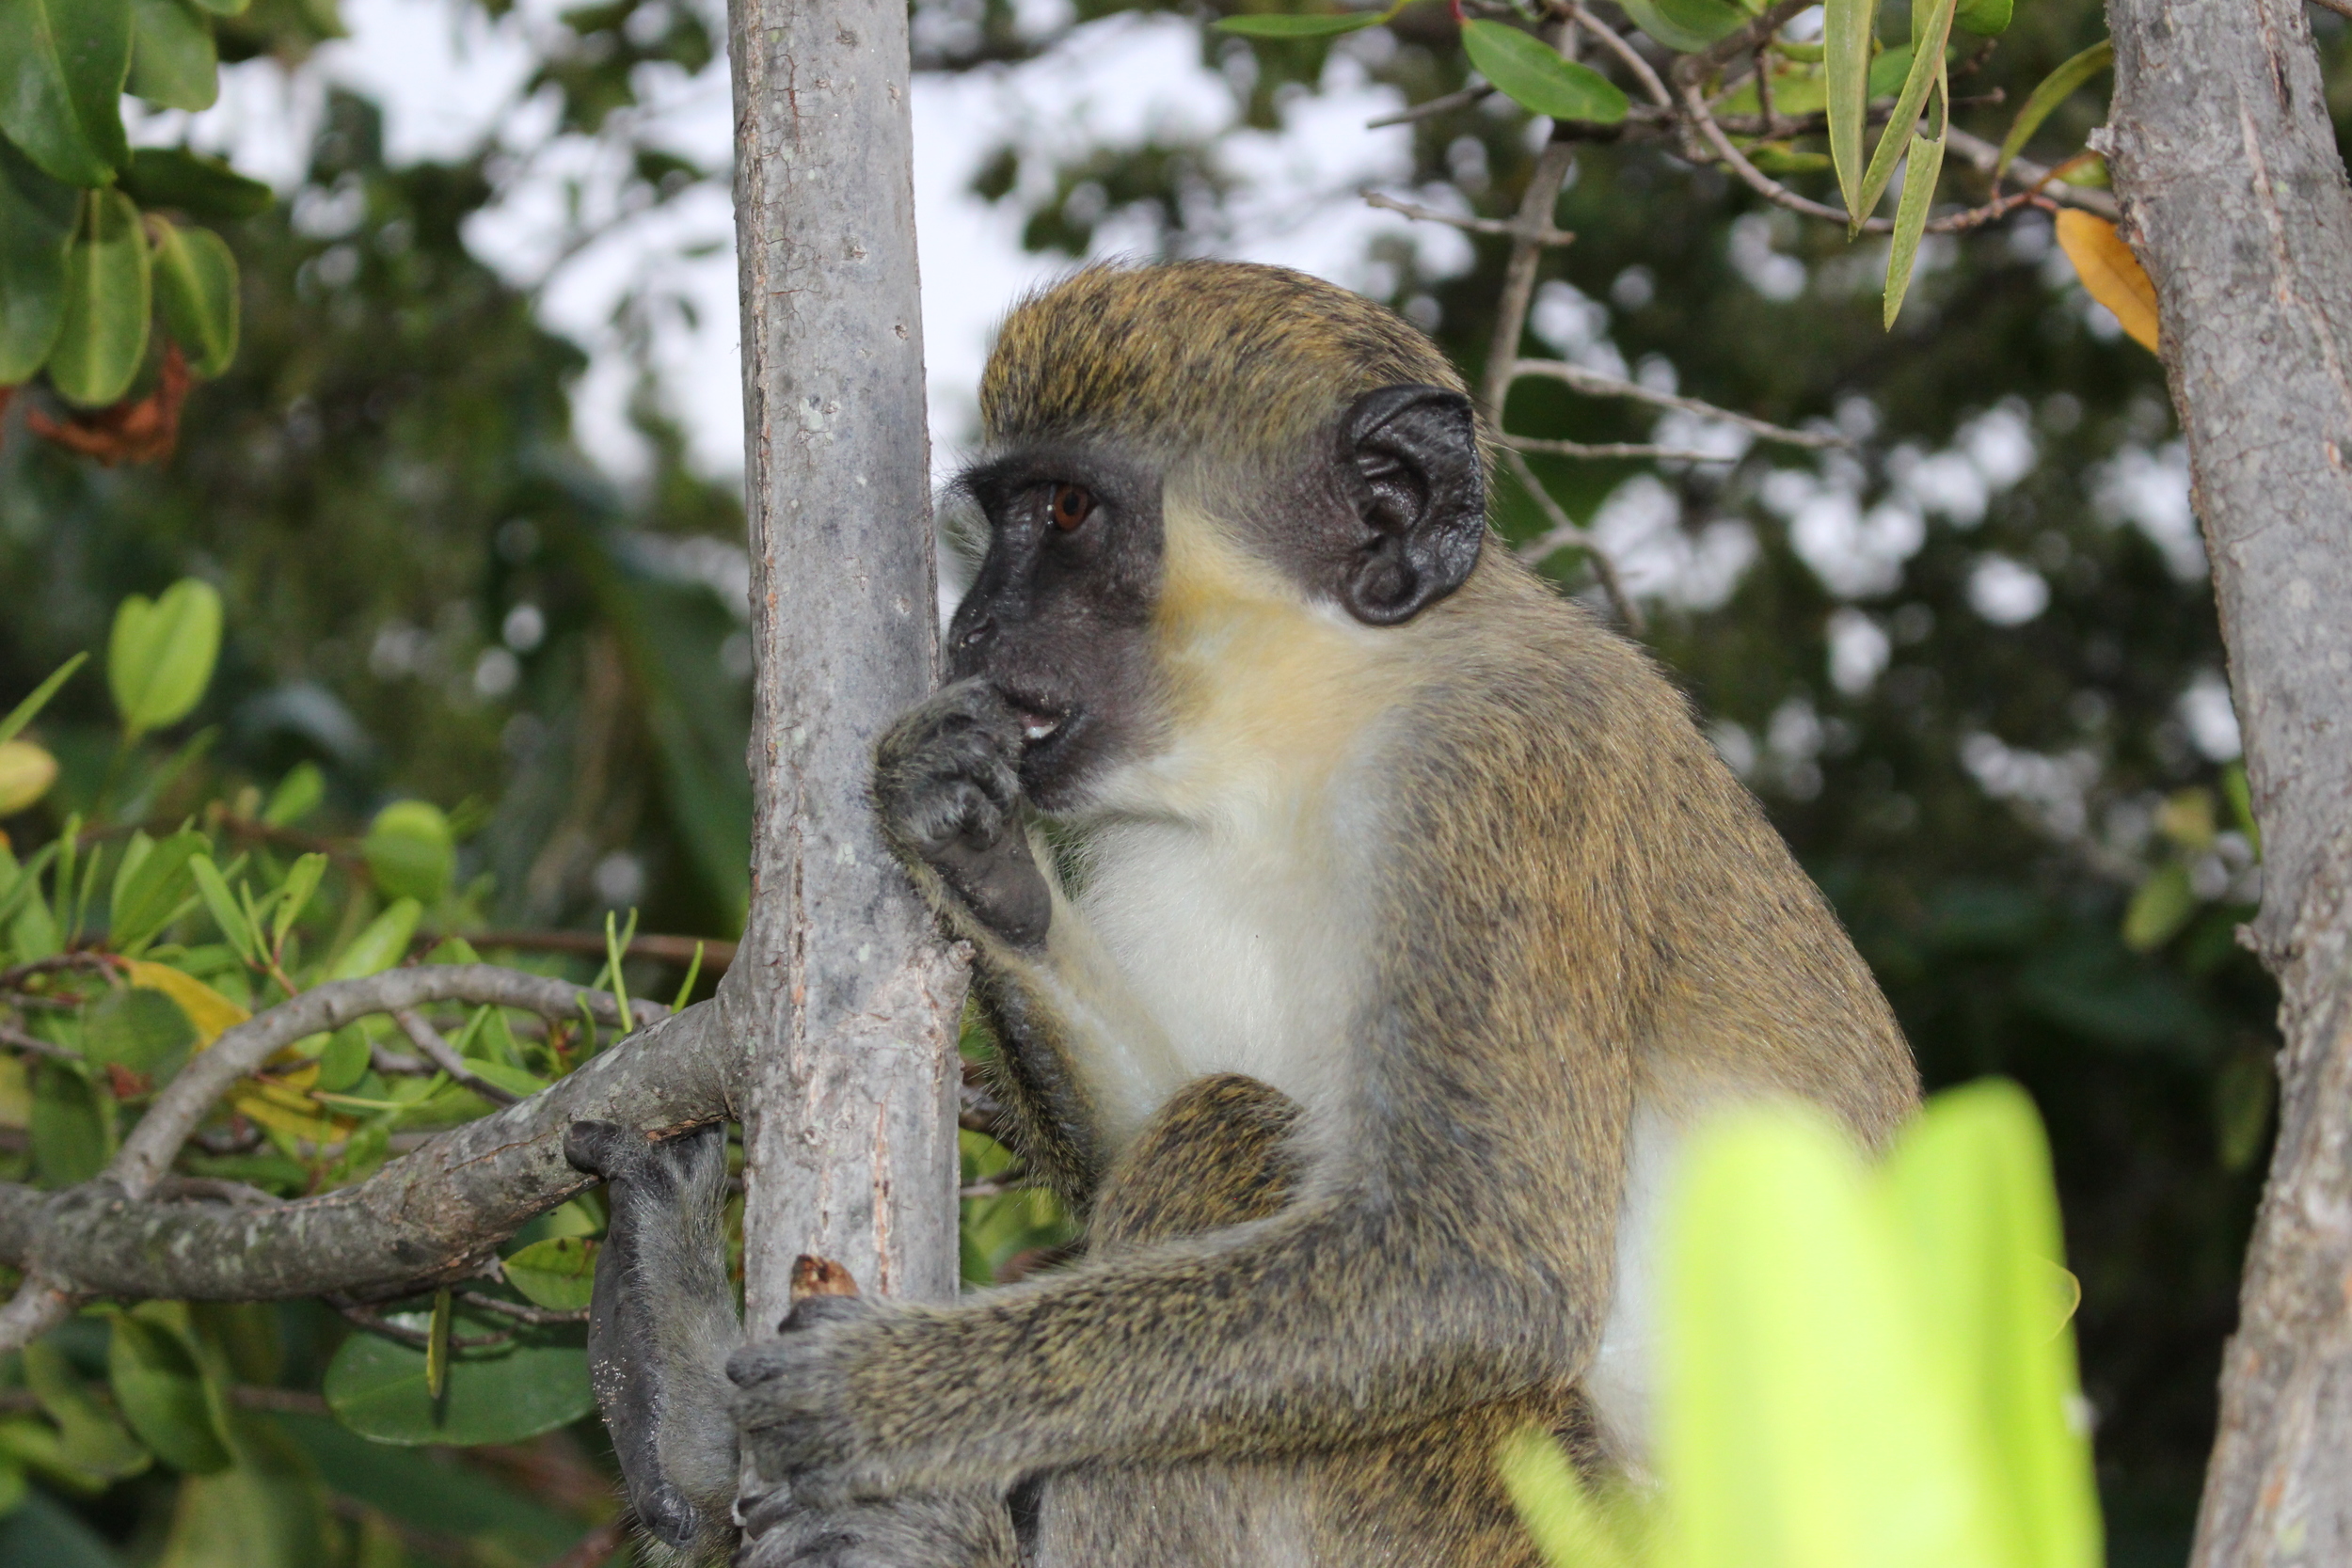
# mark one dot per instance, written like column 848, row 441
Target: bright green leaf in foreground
column 1846, row 54
column 383, row 944
column 1987, row 19
column 1530, row 72
column 1930, row 28
column 173, row 61
column 501, row 1394
column 556, row 1273
column 1911, row 213
column 62, row 63
column 196, row 284
column 102, row 333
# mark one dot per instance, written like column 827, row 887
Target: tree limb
column 434, row 1215
column 2234, row 189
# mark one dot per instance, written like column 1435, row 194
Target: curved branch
column 1592, row 384
column 433, row 1215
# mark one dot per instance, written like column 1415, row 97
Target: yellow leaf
column 26, row 773
column 210, row 1012
column 2110, row 271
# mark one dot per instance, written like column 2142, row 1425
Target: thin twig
column 1614, row 42
column 1563, row 532
column 1771, row 190
column 391, row 1064
column 1545, row 235
column 1982, row 155
column 1461, row 99
column 1592, row 384
column 1518, row 274
column 12, row 1036
column 522, row 1312
column 437, row 1050
column 367, row 1318
column 1693, row 69
column 1543, row 448
column 13, row 980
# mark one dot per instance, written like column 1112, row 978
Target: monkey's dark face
column 1059, row 618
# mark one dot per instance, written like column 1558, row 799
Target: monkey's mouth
column 1040, row 721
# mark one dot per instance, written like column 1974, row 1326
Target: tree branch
column 434, row 1215
column 1592, row 384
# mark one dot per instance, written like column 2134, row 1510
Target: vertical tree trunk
column 841, row 993
column 2228, row 169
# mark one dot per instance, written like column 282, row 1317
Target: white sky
column 446, row 78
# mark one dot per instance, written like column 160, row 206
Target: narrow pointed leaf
column 2053, row 90
column 103, row 333
column 1277, row 27
column 1530, row 72
column 196, row 284
column 1846, row 59
column 1910, row 218
column 25, row 711
column 226, row 912
column 1929, row 35
column 381, row 946
column 173, row 61
column 62, row 63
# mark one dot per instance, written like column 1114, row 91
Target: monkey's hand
column 948, row 787
column 948, row 1529
column 793, row 1400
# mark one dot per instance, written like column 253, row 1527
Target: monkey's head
column 1133, row 412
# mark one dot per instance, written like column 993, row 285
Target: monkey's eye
column 1069, row 506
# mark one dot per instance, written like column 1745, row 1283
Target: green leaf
column 149, row 889
column 556, row 1273
column 1530, row 72
column 35, row 226
column 2053, row 89
column 1889, row 71
column 294, row 894
column 226, row 7
column 227, row 912
column 501, row 1394
column 69, row 1127
column 91, row 1441
column 1686, row 25
column 1924, row 169
column 1972, row 1195
column 200, row 186
column 1987, row 19
column 437, row 1346
column 1932, row 24
column 383, row 944
column 102, row 333
column 139, row 1030
column 28, row 710
column 267, row 1511
column 345, row 1061
column 160, row 657
column 410, row 852
column 1277, row 26
column 298, row 796
column 196, row 284
column 62, row 63
column 173, row 61
column 161, row 1389
column 1568, row 1523
column 1846, row 55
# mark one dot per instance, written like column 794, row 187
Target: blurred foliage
column 1924, row 1412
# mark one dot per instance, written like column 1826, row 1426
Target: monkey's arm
column 948, row 795
column 1409, row 1294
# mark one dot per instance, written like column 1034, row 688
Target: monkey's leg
column 660, row 1325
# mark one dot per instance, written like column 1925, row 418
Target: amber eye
column 1070, row 506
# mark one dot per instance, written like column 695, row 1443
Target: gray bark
column 438, row 1214
column 843, row 995
column 2228, row 171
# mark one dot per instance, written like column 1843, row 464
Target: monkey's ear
column 1408, row 462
